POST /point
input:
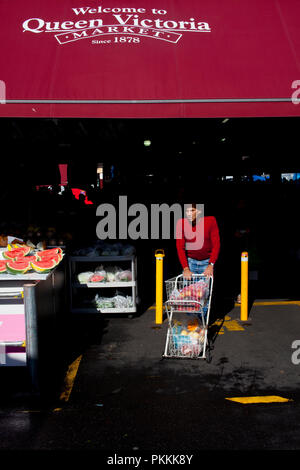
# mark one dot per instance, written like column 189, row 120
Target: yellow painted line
column 228, row 324
column 70, row 379
column 259, row 399
column 232, row 325
column 278, row 302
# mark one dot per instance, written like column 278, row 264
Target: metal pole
column 31, row 333
column 244, row 286
column 159, row 255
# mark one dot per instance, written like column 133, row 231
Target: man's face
column 192, row 213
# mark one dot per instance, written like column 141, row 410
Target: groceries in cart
column 190, row 296
column 187, row 339
column 188, row 308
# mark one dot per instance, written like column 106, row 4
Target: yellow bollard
column 159, row 255
column 244, row 286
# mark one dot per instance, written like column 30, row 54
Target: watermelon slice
column 3, row 263
column 97, row 278
column 51, row 251
column 18, row 246
column 43, row 266
column 18, row 267
column 56, row 257
column 27, row 249
column 12, row 254
column 55, row 254
column 27, row 258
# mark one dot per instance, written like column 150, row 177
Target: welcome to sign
column 115, row 20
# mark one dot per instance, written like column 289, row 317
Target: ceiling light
column 147, row 143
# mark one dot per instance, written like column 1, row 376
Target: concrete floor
column 122, row 398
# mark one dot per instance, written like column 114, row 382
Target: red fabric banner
column 213, row 58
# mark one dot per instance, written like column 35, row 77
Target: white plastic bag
column 100, row 271
column 121, row 301
column 84, row 277
column 124, row 276
column 104, row 302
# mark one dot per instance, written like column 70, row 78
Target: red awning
column 150, row 59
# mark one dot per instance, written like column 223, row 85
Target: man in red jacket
column 197, row 242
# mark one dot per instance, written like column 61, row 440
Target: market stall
column 31, row 282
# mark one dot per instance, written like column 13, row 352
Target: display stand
column 27, row 300
column 75, row 285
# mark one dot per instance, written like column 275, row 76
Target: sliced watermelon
column 54, row 253
column 3, row 263
column 97, row 278
column 18, row 267
column 43, row 266
column 27, row 249
column 12, row 254
column 51, row 251
column 55, row 257
column 27, row 258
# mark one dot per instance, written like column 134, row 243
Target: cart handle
column 193, row 275
column 182, row 302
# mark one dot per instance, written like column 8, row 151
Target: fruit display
column 21, row 259
column 108, row 274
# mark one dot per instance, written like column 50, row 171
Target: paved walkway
column 120, row 396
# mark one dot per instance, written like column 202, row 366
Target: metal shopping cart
column 188, row 307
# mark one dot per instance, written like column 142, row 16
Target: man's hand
column 187, row 274
column 209, row 271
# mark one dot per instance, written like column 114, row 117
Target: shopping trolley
column 188, row 307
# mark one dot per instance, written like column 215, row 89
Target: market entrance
column 244, row 171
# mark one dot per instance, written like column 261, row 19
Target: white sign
column 135, row 22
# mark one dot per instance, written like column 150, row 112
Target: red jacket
column 186, row 233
